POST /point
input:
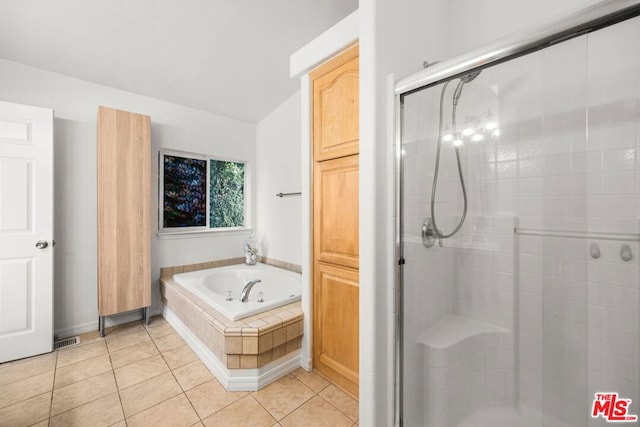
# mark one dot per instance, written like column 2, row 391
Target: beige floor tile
column 133, row 354
column 81, row 392
column 82, row 370
column 148, row 393
column 121, row 423
column 24, row 368
column 198, row 424
column 210, row 397
column 89, row 337
column 119, row 340
column 179, row 356
column 175, row 412
column 80, row 353
column 24, row 389
column 316, row 412
column 43, row 423
column 135, row 373
column 160, row 329
column 27, row 412
column 192, row 374
column 311, row 379
column 102, row 412
column 169, row 342
column 283, row 396
column 246, row 412
column 124, row 328
column 156, row 320
column 342, row 401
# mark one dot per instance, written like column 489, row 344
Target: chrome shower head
column 471, row 76
column 464, row 79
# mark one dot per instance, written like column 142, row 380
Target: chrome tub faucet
column 244, row 296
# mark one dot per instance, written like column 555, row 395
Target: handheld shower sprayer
column 430, row 230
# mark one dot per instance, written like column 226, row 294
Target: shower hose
column 437, row 233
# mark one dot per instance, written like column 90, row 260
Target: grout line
column 113, row 371
column 53, row 383
column 330, row 383
column 337, row 409
column 28, row 376
column 176, row 379
column 294, row 409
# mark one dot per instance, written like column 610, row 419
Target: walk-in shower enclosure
column 532, row 308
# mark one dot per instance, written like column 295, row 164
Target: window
column 198, row 192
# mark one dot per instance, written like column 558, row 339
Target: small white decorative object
column 250, row 252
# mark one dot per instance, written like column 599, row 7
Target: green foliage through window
column 226, row 192
column 185, row 197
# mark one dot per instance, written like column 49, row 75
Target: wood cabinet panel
column 335, row 220
column 336, row 95
column 335, row 207
column 124, row 217
column 335, row 319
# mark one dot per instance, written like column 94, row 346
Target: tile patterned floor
column 147, row 376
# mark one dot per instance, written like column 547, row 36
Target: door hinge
column 401, row 261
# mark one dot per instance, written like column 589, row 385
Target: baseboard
column 234, row 379
column 306, row 364
column 116, row 319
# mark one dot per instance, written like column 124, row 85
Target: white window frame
column 201, row 229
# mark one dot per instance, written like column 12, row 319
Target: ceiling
column 229, row 57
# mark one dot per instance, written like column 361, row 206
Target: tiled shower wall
column 566, row 160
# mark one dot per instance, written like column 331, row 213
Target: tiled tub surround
column 246, row 354
column 167, row 272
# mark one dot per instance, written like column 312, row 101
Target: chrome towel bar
column 287, row 194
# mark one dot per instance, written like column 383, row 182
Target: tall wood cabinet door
column 335, row 210
column 335, row 324
column 336, row 107
column 124, row 211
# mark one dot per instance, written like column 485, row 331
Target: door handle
column 42, row 244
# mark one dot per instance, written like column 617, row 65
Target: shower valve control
column 428, row 234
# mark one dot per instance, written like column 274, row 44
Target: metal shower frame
column 565, row 27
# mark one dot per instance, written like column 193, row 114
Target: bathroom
column 395, row 41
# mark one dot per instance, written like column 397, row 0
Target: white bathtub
column 278, row 286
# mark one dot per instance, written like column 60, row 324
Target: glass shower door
column 531, row 308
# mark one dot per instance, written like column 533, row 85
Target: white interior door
column 26, row 231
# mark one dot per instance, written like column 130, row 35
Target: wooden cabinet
column 335, row 319
column 335, row 220
column 336, row 107
column 335, row 196
column 124, row 216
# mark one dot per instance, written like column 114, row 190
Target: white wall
column 475, row 23
column 75, row 103
column 278, row 145
column 395, row 39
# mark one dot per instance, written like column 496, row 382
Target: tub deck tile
column 242, row 344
